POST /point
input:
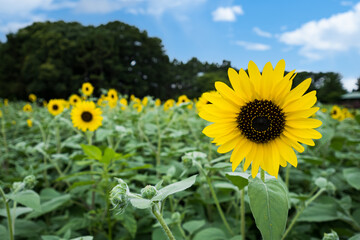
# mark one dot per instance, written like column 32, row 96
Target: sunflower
column 29, row 123
column 347, row 113
column 261, row 119
column 169, row 104
column 124, row 103
column 32, row 97
column 74, row 99
column 145, row 101
column 6, row 102
column 1, row 114
column 27, row 108
column 182, row 99
column 138, row 107
column 112, row 95
column 112, row 103
column 157, row 102
column 87, row 89
column 45, row 103
column 86, row 116
column 336, row 113
column 55, row 106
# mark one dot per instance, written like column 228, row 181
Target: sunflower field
column 259, row 159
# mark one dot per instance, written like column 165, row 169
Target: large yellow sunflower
column 86, row 116
column 74, row 99
column 112, row 95
column 261, row 119
column 87, row 89
column 55, row 106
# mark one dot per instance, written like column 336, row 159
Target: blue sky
column 320, row 35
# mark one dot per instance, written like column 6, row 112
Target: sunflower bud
column 176, row 217
column 190, row 158
column 119, row 196
column 148, row 192
column 187, row 162
column 17, row 186
column 29, row 181
column 331, row 236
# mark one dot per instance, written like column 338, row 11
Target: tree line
column 53, row 59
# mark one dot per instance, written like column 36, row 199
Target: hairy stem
column 11, row 235
column 162, row 223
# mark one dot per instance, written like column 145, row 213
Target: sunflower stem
column 243, row 233
column 162, row 223
column 287, row 175
column 221, row 213
column 11, row 235
column 262, row 172
column 58, row 139
column 300, row 210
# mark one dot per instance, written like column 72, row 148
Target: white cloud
column 227, row 14
column 349, row 83
column 262, row 33
column 337, row 33
column 253, row 46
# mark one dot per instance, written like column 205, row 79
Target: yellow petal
column 275, row 158
column 235, row 83
column 212, row 118
column 222, row 103
column 229, row 94
column 306, row 141
column 306, row 101
column 216, row 129
column 221, row 139
column 298, row 147
column 287, row 153
column 246, row 86
column 304, row 123
column 254, row 75
column 279, row 70
column 248, row 160
column 282, row 88
column 302, row 113
column 266, row 81
column 298, row 91
column 304, row 133
column 229, row 145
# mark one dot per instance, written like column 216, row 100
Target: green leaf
column 337, row 143
column 28, row 198
column 102, row 134
column 129, row 222
column 210, row 234
column 355, row 237
column 239, row 179
column 92, row 152
column 48, row 237
column 19, row 211
column 321, row 182
column 352, row 176
column 50, row 205
column 109, row 154
column 322, row 210
column 140, row 203
column 174, row 188
column 193, row 225
column 83, row 238
column 269, row 206
column 3, row 233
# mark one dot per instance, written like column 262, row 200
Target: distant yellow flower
column 1, row 114
column 157, row 102
column 324, row 110
column 112, row 95
column 136, row 100
column 169, row 104
column 27, row 108
column 32, row 97
column 74, row 99
column 55, row 106
column 6, row 102
column 13, row 122
column 145, row 101
column 336, row 113
column 65, row 103
column 261, row 119
column 182, row 99
column 112, row 103
column 138, row 107
column 124, row 103
column 29, row 122
column 44, row 103
column 86, row 116
column 347, row 113
column 87, row 89
column 132, row 97
column 204, row 99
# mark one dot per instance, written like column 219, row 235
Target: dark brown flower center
column 261, row 121
column 86, row 116
column 55, row 107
